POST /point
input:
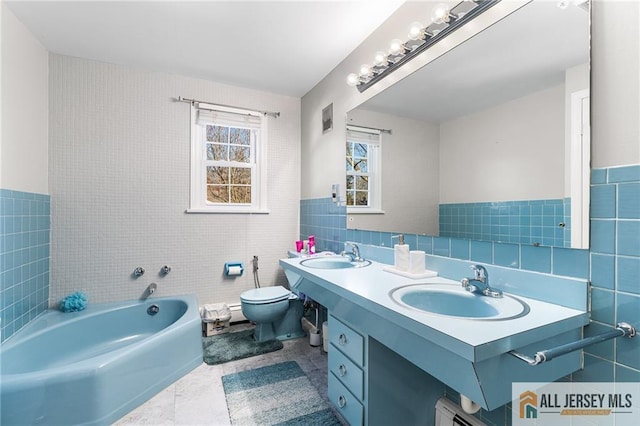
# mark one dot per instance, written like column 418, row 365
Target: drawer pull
column 342, row 339
column 342, row 401
column 342, row 370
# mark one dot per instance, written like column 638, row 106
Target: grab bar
column 622, row 329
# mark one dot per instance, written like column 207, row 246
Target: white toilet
column 276, row 311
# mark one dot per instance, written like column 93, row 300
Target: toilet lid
column 265, row 294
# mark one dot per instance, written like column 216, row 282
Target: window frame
column 375, row 173
column 198, row 202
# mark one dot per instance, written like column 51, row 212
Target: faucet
column 480, row 282
column 149, row 290
column 354, row 255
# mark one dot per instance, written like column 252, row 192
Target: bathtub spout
column 150, row 290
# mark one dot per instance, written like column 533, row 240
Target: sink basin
column 453, row 301
column 333, row 262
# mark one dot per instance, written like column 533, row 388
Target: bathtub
column 94, row 366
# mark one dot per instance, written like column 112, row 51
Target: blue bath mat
column 231, row 346
column 279, row 394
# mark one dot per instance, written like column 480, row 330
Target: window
column 363, row 170
column 228, row 174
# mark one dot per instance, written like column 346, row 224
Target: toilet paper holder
column 233, row 269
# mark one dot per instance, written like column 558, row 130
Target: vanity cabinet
column 347, row 371
column 389, row 364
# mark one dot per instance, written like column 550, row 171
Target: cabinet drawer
column 348, row 341
column 347, row 404
column 347, row 372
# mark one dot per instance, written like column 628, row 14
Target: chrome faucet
column 149, row 290
column 480, row 282
column 354, row 255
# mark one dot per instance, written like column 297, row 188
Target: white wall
column 410, row 174
column 119, row 179
column 615, row 83
column 24, row 147
column 514, row 151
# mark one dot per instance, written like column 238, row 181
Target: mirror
column 488, row 142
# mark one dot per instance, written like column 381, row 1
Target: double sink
column 437, row 298
column 453, row 330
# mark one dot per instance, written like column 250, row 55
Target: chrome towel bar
column 622, row 329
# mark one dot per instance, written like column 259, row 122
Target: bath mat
column 231, row 346
column 279, row 394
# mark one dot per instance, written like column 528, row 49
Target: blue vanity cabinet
column 390, row 365
column 347, row 371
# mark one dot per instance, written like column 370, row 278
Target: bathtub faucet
column 150, row 290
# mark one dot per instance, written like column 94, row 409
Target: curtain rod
column 370, row 128
column 191, row 101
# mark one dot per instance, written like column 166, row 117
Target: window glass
column 227, row 171
column 362, row 167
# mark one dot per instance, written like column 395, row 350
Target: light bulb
column 440, row 13
column 353, row 79
column 380, row 59
column 416, row 31
column 365, row 70
column 396, row 47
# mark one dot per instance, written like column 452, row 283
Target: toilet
column 276, row 311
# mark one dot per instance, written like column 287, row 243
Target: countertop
column 369, row 287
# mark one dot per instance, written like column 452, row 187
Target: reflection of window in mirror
column 363, row 165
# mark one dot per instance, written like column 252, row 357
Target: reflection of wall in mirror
column 410, row 175
column 576, row 80
column 511, row 152
column 515, row 151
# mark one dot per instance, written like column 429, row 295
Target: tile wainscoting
column 24, row 258
column 612, row 264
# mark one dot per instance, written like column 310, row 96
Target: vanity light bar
column 444, row 21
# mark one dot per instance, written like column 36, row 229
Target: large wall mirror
column 488, row 142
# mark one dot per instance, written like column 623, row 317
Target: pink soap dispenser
column 312, row 244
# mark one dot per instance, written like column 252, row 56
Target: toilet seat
column 264, row 295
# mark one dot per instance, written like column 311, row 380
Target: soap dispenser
column 401, row 254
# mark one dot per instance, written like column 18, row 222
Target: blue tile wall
column 481, row 251
column 24, row 258
column 523, row 222
column 612, row 264
column 326, row 221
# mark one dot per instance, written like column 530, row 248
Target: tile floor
column 198, row 397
